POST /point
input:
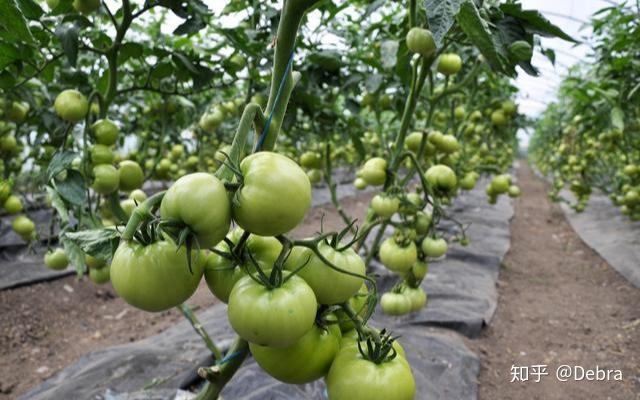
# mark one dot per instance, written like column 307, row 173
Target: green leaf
column 441, row 15
column 130, row 50
column 389, row 53
column 8, row 54
column 58, row 204
column 13, row 25
column 74, row 253
column 181, row 59
column 59, row 162
column 98, row 243
column 68, row 36
column 30, row 9
column 535, row 22
column 478, row 32
column 72, row 188
column 617, row 118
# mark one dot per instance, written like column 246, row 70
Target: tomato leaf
column 58, row 204
column 74, row 253
column 60, row 161
column 72, row 188
column 441, row 15
column 617, row 118
column 389, row 53
column 535, row 22
column 478, row 32
column 13, row 25
column 99, row 243
column 30, row 9
column 68, row 36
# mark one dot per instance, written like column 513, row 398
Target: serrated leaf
column 535, row 22
column 68, row 36
column 58, row 204
column 72, row 188
column 74, row 254
column 478, row 32
column 98, row 243
column 617, row 118
column 30, row 9
column 60, row 161
column 441, row 15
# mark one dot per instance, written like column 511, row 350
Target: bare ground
column 47, row 326
column 560, row 304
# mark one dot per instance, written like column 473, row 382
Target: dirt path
column 47, row 326
column 559, row 304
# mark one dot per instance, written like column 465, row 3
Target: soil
column 559, row 304
column 47, row 326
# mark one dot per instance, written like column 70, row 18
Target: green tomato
column 17, row 112
column 385, row 206
column 468, row 181
column 86, row 6
column 71, row 105
column 101, row 154
column 434, row 247
column 5, row 190
column 397, row 258
column 459, row 112
column 420, row 269
column 448, row 144
column 105, row 179
column 100, row 276
column 52, row 4
column 360, row 183
column 200, row 201
column 413, row 141
column 422, row 222
column 130, row 175
column 56, row 260
column 138, row 195
column 314, row 175
column 13, row 205
column 128, row 205
column 274, row 197
column 441, row 178
column 330, row 286
column 498, row 118
column 23, row 226
column 393, row 303
column 275, row 317
column 308, row 359
column 513, row 191
column 421, row 41
column 105, row 131
column 210, row 121
column 352, row 377
column 8, row 144
column 373, row 176
column 500, row 184
column 94, row 263
column 221, row 275
column 417, row 297
column 311, row 160
column 449, row 63
column 155, row 277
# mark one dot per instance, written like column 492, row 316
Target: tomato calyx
column 379, row 351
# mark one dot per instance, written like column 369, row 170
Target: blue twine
column 263, row 135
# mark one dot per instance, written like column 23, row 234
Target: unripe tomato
column 155, row 277
column 358, row 303
column 441, row 177
column 56, row 260
column 8, row 144
column 105, row 179
column 13, row 205
column 417, row 297
column 210, row 121
column 397, row 258
column 177, row 150
column 237, row 62
column 368, row 99
column 422, row 222
column 315, row 175
column 308, row 359
column 500, row 184
column 105, row 131
column 130, row 175
column 138, row 195
column 449, row 63
column 459, row 112
column 498, row 118
column 200, row 201
column 52, row 4
column 373, row 176
column 23, row 226
column 421, row 41
column 17, row 111
column 435, row 138
column 509, row 107
column 385, row 206
column 514, row 191
column 395, row 303
column 274, row 197
column 310, row 159
column 128, row 206
column 100, row 276
column 360, row 183
column 101, row 154
column 272, row 317
column 330, row 286
column 385, row 101
column 413, row 141
column 94, row 263
column 420, row 269
column 434, row 247
column 71, row 105
column 86, row 6
column 448, row 144
column 5, row 191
